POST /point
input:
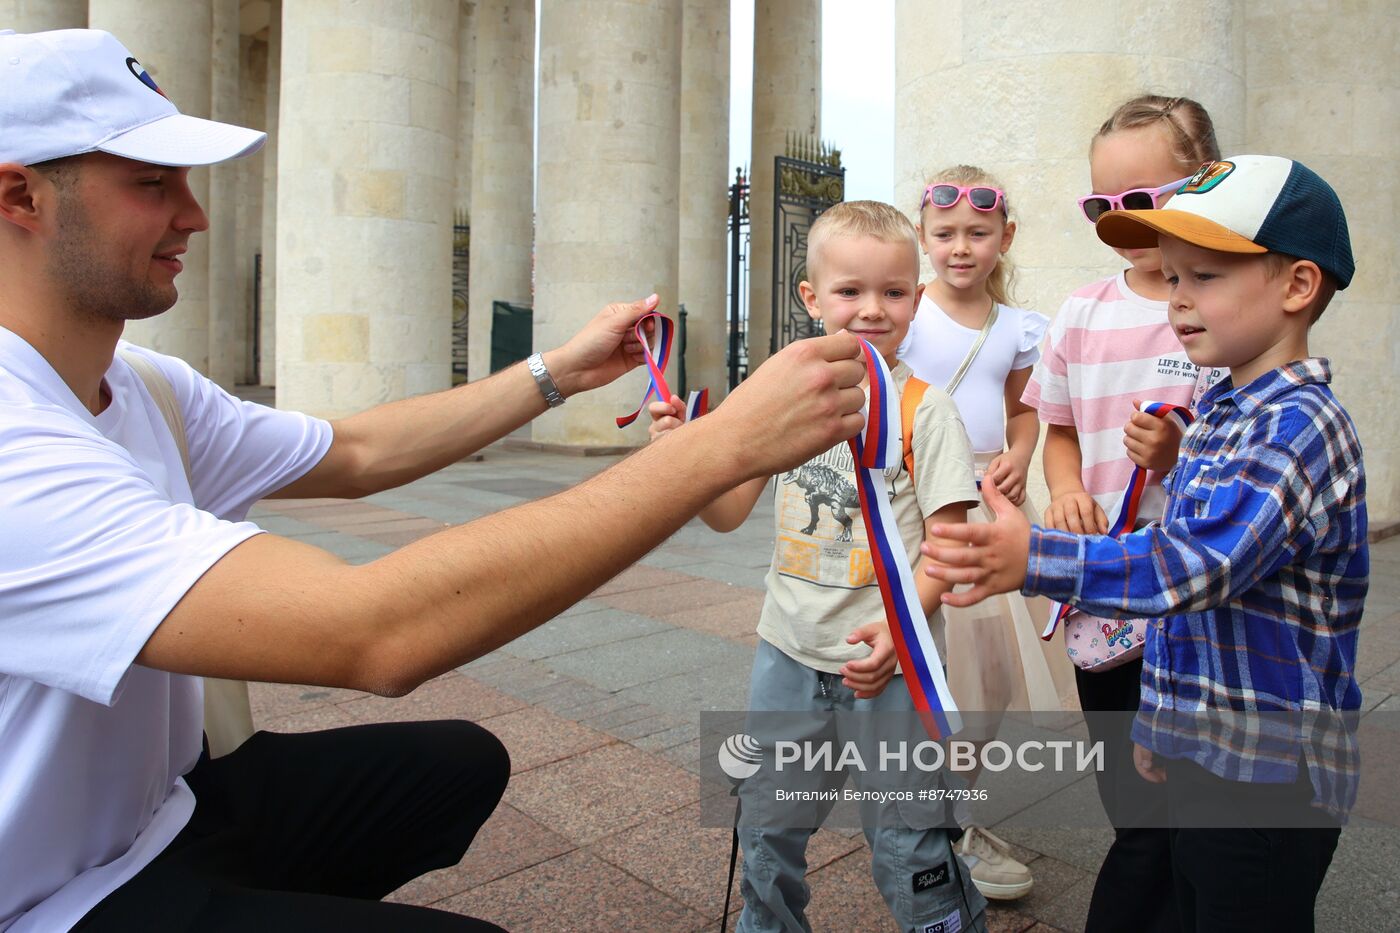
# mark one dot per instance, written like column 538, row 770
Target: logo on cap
column 142, row 75
column 1207, row 177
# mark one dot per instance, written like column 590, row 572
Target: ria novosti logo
column 740, row 756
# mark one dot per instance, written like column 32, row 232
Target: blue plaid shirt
column 1260, row 567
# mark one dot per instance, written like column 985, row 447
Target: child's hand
column 1146, row 764
column 869, row 676
column 665, row 416
column 1153, row 443
column 992, row 557
column 1076, row 512
column 1009, row 474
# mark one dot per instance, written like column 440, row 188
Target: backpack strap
column 163, row 394
column 909, row 401
column 228, row 714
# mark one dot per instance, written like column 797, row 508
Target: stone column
column 1035, row 82
column 608, row 178
column 502, row 170
column 1318, row 96
column 704, row 247
column 364, row 232
column 787, row 71
column 466, row 102
column 462, row 183
column 174, row 43
column 253, row 112
column 42, row 15
column 225, row 345
column 267, row 285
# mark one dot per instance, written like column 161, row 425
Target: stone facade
column 175, row 43
column 501, row 197
column 398, row 113
column 1319, row 96
column 364, row 202
column 609, row 159
column 704, row 172
column 787, row 71
column 39, row 15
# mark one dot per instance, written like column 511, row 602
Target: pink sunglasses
column 1095, row 206
column 981, row 197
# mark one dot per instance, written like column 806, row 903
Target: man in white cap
column 124, row 575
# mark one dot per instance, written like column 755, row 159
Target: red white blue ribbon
column 697, row 403
column 658, row 353
column 875, row 449
column 1128, row 507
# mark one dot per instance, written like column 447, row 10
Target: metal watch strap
column 544, row 380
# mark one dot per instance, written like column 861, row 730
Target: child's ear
column 1302, row 279
column 1008, row 234
column 809, row 299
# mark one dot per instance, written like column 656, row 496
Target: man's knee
column 477, row 759
column 486, row 756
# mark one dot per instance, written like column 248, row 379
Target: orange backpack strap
column 909, row 401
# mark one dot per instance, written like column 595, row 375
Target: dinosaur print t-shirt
column 821, row 585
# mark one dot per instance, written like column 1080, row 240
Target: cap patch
column 142, row 75
column 1207, row 177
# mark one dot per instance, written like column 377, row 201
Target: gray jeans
column 916, row 871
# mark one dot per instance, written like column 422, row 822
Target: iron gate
column 738, row 278
column 461, row 248
column 807, row 181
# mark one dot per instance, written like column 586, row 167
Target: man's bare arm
column 398, row 442
column 279, row 610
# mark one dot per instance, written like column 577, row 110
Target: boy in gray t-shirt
column 825, row 643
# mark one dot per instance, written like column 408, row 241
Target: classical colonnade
column 387, row 118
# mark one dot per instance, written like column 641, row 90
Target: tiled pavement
column 600, row 828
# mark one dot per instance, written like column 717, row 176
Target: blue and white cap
column 1247, row 204
column 72, row 91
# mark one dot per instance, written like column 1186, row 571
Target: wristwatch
column 544, row 380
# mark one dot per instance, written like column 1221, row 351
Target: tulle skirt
column 996, row 660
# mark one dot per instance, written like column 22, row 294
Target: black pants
column 1246, row 877
column 1134, row 889
column 306, row 832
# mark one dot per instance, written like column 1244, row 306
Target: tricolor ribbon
column 875, row 449
column 658, row 353
column 1128, row 506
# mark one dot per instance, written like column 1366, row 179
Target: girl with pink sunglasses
column 1110, row 348
column 969, row 339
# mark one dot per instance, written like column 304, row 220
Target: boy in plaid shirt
column 1260, row 565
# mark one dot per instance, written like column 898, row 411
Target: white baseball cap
column 73, row 91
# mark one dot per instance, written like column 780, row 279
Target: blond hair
column 1188, row 126
column 874, row 219
column 1003, row 277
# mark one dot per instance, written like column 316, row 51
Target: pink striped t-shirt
column 1106, row 347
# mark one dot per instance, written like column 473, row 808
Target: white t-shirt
column 102, row 537
column 821, row 585
column 936, row 346
column 1108, row 346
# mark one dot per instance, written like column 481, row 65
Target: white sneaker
column 997, row 875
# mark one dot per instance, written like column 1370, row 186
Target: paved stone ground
column 599, row 828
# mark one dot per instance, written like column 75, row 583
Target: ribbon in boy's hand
column 875, row 449
column 658, row 353
column 1128, row 506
